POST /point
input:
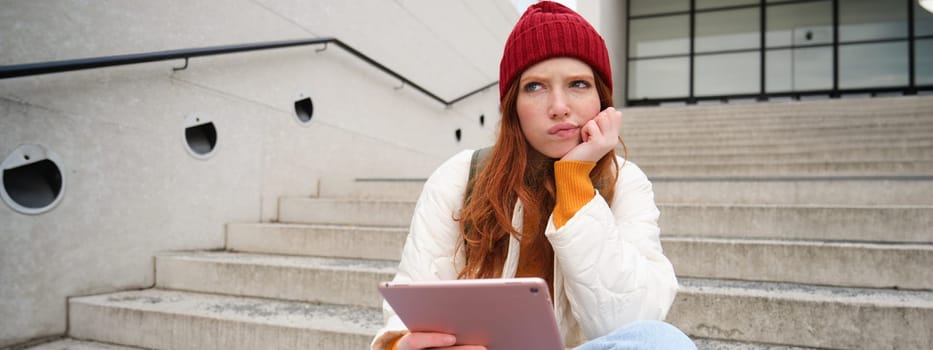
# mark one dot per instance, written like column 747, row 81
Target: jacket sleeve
column 432, row 239
column 614, row 271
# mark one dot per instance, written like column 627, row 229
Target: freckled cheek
column 587, row 105
column 589, row 113
column 530, row 116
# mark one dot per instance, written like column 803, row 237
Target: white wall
column 132, row 190
column 608, row 17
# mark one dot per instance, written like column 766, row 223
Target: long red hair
column 516, row 171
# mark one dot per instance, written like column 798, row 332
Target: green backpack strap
column 480, row 157
column 477, row 163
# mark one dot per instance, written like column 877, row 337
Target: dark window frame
column 762, row 95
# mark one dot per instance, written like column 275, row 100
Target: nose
column 557, row 105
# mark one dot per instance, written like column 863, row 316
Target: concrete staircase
column 806, row 224
column 790, row 225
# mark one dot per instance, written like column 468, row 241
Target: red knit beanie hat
column 546, row 30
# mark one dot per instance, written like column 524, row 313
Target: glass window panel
column 873, row 65
column 800, row 24
column 659, row 78
column 726, row 74
column 872, row 19
column 799, row 69
column 707, row 4
column 923, row 53
column 657, row 36
column 778, row 72
column 648, row 7
column 727, row 30
column 923, row 21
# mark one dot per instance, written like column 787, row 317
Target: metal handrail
column 29, row 69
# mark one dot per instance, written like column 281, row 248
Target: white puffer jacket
column 609, row 269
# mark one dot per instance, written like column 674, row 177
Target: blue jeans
column 642, row 335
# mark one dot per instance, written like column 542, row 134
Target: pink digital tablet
column 502, row 314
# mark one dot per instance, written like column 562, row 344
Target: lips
column 564, row 130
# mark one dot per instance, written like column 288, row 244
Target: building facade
column 691, row 51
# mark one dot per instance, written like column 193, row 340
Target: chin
column 556, row 151
column 558, row 154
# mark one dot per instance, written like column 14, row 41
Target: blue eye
column 582, row 84
column 530, row 87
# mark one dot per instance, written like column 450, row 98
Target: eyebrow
column 584, row 76
column 570, row 77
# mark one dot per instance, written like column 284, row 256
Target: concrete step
column 702, row 344
column 855, row 190
column 710, row 344
column 376, row 188
column 876, row 265
column 161, row 319
column 869, row 265
column 802, row 315
column 646, row 151
column 824, row 109
column 793, row 112
column 803, row 169
column 873, row 154
column 637, row 127
column 73, row 344
column 895, row 190
column 851, row 109
column 807, row 222
column 300, row 278
column 341, row 211
column 354, row 242
column 802, row 134
column 759, row 188
column 906, row 224
column 770, row 313
column 158, row 319
column 880, row 140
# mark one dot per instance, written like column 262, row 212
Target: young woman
column 552, row 201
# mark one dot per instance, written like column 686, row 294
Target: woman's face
column 555, row 98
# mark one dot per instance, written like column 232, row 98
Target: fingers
column 599, row 135
column 418, row 340
column 615, row 116
column 589, row 129
column 609, row 121
column 604, row 128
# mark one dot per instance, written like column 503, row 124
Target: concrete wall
column 131, row 187
column 608, row 17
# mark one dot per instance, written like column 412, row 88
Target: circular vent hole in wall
column 200, row 136
column 304, row 110
column 33, row 182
